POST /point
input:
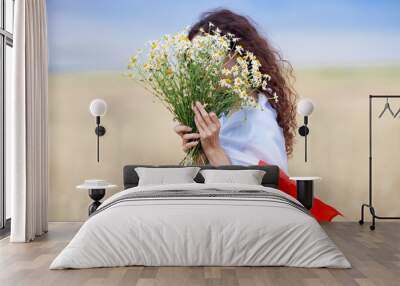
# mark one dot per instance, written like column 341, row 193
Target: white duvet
column 200, row 231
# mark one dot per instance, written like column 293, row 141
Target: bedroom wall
column 139, row 129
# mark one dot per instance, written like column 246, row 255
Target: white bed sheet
column 200, row 231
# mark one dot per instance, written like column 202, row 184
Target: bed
column 198, row 224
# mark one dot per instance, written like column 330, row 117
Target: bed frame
column 270, row 179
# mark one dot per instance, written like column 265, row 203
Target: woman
column 250, row 135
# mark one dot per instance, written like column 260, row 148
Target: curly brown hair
column 271, row 63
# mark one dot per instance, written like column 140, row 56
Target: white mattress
column 200, row 231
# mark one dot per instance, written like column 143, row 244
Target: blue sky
column 97, row 35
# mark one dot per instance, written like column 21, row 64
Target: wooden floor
column 375, row 257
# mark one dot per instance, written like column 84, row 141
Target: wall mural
column 217, row 82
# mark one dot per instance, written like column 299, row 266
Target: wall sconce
column 98, row 108
column 305, row 107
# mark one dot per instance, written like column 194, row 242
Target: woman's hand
column 208, row 125
column 189, row 140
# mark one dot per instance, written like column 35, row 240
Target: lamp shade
column 98, row 107
column 305, row 107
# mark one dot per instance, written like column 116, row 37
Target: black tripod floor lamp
column 388, row 112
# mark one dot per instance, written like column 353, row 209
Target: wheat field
column 139, row 130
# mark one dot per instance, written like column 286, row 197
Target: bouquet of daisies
column 212, row 69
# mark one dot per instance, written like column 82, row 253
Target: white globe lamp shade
column 98, row 107
column 305, row 107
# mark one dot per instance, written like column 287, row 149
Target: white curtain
column 26, row 119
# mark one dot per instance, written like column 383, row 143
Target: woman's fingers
column 191, row 136
column 215, row 119
column 199, row 126
column 207, row 125
column 198, row 118
column 181, row 129
column 189, row 145
column 204, row 114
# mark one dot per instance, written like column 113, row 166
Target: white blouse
column 253, row 134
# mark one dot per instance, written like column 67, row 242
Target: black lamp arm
column 100, row 131
column 304, row 131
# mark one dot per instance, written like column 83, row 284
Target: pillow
column 248, row 177
column 162, row 176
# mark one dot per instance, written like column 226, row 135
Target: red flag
column 321, row 211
